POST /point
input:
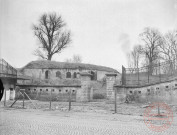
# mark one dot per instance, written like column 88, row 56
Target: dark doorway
column 47, row 74
column 93, row 75
column 1, row 89
column 75, row 75
column 68, row 75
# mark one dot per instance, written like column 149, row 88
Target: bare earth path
column 38, row 122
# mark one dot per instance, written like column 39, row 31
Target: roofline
column 111, row 74
column 8, row 77
column 73, row 68
column 109, row 68
column 20, row 78
column 28, row 85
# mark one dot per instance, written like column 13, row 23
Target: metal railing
column 150, row 74
column 7, row 70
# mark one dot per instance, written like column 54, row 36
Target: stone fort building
column 62, row 70
column 61, row 80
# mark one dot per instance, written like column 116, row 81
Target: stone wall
column 54, row 93
column 82, row 93
column 40, row 73
column 161, row 92
column 110, row 81
column 86, row 92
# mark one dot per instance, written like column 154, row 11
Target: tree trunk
column 150, row 67
column 49, row 57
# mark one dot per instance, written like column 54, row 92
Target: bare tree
column 134, row 56
column 74, row 59
column 51, row 34
column 68, row 60
column 169, row 47
column 130, row 60
column 77, row 59
column 152, row 39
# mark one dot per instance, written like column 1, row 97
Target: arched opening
column 75, row 75
column 58, row 74
column 68, row 75
column 93, row 75
column 47, row 74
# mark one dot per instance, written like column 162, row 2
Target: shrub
column 98, row 96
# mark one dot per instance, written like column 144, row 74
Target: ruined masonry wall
column 110, row 80
column 44, row 93
column 86, row 93
column 163, row 92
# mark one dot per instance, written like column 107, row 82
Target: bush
column 98, row 96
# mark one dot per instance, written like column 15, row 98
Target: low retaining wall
column 50, row 93
column 159, row 92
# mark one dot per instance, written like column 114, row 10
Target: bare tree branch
column 51, row 34
column 169, row 47
column 135, row 57
column 152, row 41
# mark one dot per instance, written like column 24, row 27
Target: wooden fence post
column 148, row 73
column 23, row 100
column 69, row 100
column 159, row 73
column 51, row 99
column 115, row 94
column 138, row 77
column 4, row 97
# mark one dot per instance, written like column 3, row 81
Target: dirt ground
column 92, row 118
column 102, row 107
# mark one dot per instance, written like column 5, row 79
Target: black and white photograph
column 88, row 67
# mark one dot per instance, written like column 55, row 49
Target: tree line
column 154, row 47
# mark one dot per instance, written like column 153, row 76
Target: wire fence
column 150, row 74
column 7, row 70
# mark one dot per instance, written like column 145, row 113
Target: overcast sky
column 103, row 31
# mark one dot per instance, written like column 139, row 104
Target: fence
column 150, row 74
column 7, row 70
